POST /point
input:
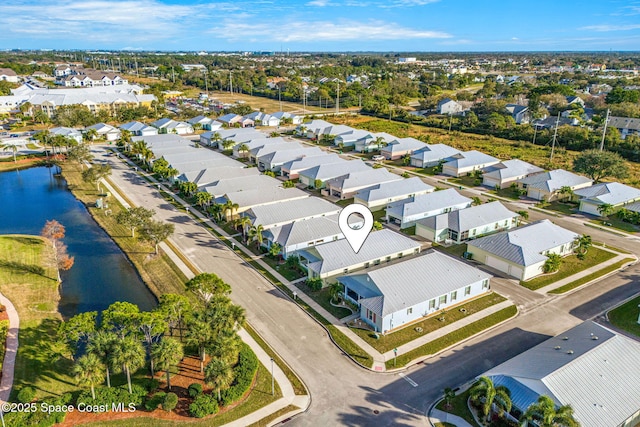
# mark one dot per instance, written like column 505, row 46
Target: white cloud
column 340, row 30
column 319, row 3
column 607, row 27
column 514, row 38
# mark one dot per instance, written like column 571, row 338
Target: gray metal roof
column 271, row 147
column 240, row 134
column 278, row 157
column 624, row 123
column 418, row 279
column 470, row 158
column 466, row 219
column 209, row 176
column 364, row 178
column 435, row 153
column 136, row 127
column 525, row 245
column 304, row 231
column 427, row 202
column 231, row 185
column 332, row 170
column 394, row 188
column 264, row 196
column 163, row 140
column 512, row 168
column 612, row 193
column 338, row 254
column 311, row 161
column 600, row 379
column 634, row 207
column 554, row 180
column 404, row 144
column 291, row 210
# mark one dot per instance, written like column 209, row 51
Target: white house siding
column 418, row 311
column 590, row 208
column 411, row 220
column 431, row 234
column 371, row 263
column 491, row 182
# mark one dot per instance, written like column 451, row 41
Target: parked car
column 377, row 158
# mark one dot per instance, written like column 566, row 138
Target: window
column 432, row 304
column 345, row 271
column 388, row 259
column 485, row 283
column 442, row 300
column 409, row 310
column 473, row 232
column 467, row 291
column 366, row 265
column 454, row 295
column 400, row 255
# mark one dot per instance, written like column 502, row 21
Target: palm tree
column 199, row 334
column 89, row 370
column 255, row 234
column 552, row 263
column 243, row 222
column 90, row 135
column 523, row 214
column 448, row 395
column 583, row 243
column 380, row 142
column 566, row 191
column 230, row 209
column 167, row 353
column 128, row 353
column 215, row 210
column 216, row 137
column 101, row 344
column 243, row 148
column 219, row 375
column 487, row 394
column 334, row 290
column 203, row 198
column 275, row 249
column 605, row 210
column 13, row 148
column 476, row 201
column 545, row 414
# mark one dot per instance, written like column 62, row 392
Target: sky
column 321, row 25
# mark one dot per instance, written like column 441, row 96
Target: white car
column 377, row 158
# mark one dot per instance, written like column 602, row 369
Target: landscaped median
column 593, row 276
column 452, row 338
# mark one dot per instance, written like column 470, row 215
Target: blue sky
column 321, row 25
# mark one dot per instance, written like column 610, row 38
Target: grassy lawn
column 322, row 297
column 266, row 421
column 409, row 231
column 570, row 266
column 618, row 224
column 590, row 277
column 507, row 193
column 257, row 102
column 159, row 273
column 402, row 336
column 454, row 250
column 562, row 207
column 29, row 280
column 467, row 181
column 459, row 407
column 345, row 202
column 454, row 337
column 626, row 316
column 290, row 274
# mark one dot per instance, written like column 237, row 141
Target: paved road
column 343, row 394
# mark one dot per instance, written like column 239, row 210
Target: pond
column 101, row 273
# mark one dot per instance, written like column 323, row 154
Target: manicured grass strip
column 613, row 248
column 458, row 407
column 604, row 228
column 184, row 259
column 402, row 336
column 626, row 316
column 267, row 420
column 590, row 277
column 616, row 223
column 298, row 386
column 570, row 266
column 454, row 337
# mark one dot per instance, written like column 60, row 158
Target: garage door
column 498, row 264
column 516, row 272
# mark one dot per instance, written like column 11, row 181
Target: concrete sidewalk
column 438, row 416
column 8, row 365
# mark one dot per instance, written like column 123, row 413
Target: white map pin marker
column 355, row 235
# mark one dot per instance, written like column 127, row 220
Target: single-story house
column 520, row 113
column 264, row 149
column 546, row 185
column 504, row 174
column 353, row 136
column 325, row 172
column 241, row 183
column 8, row 75
column 611, row 193
column 575, row 100
column 379, row 196
column 285, row 116
column 243, row 149
column 70, row 133
column 250, row 198
column 397, row 295
column 274, row 160
column 401, row 147
column 172, row 126
column 139, row 129
column 407, row 212
column 238, row 136
column 448, row 106
column 337, row 257
column 205, row 123
column 522, row 252
column 263, row 119
column 433, row 155
column 206, row 177
column 633, row 207
column 229, row 119
column 626, row 126
column 281, row 213
column 468, row 161
column 464, row 224
column 105, row 131
column 303, row 234
column 346, row 186
column 589, row 367
column 311, row 129
column 291, row 168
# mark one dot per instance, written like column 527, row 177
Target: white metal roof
column 390, row 189
column 612, row 193
column 554, row 180
column 327, row 171
column 284, row 212
column 360, row 179
column 469, row 218
column 426, row 203
column 512, row 168
column 304, row 231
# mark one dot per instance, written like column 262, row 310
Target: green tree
column 523, row 214
column 101, row 344
column 582, row 244
column 275, row 249
column 566, row 192
column 167, row 353
column 13, row 148
column 377, row 225
column 255, row 234
column 80, row 153
column 206, row 286
column 199, row 334
column 335, row 288
column 203, row 198
column 156, row 232
column 188, row 188
column 120, row 318
column 230, row 209
column 605, row 209
column 135, row 218
column 448, row 395
column 94, row 174
column 317, row 184
column 89, row 371
column 598, row 164
column 553, row 263
column 129, row 354
column 153, row 326
column 485, row 393
column 218, row 375
column 175, row 309
column 476, row 201
column 545, row 414
column 90, row 135
column 77, row 330
column 244, row 222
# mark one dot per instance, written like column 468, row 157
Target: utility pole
column 535, row 131
column 206, row 83
column 304, row 100
column 555, row 134
column 279, row 97
column 338, row 99
column 119, row 65
column 604, row 132
column 230, row 83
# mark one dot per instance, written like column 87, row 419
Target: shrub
column 244, row 371
column 155, row 401
column 108, row 396
column 26, row 394
column 203, row 405
column 315, row 283
column 195, row 390
column 170, row 402
column 40, row 418
column 150, row 384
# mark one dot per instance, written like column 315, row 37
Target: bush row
column 244, row 371
column 39, row 418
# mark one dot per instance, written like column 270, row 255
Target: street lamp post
column 395, row 356
column 273, row 385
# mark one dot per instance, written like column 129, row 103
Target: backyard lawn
column 570, row 266
column 409, row 333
